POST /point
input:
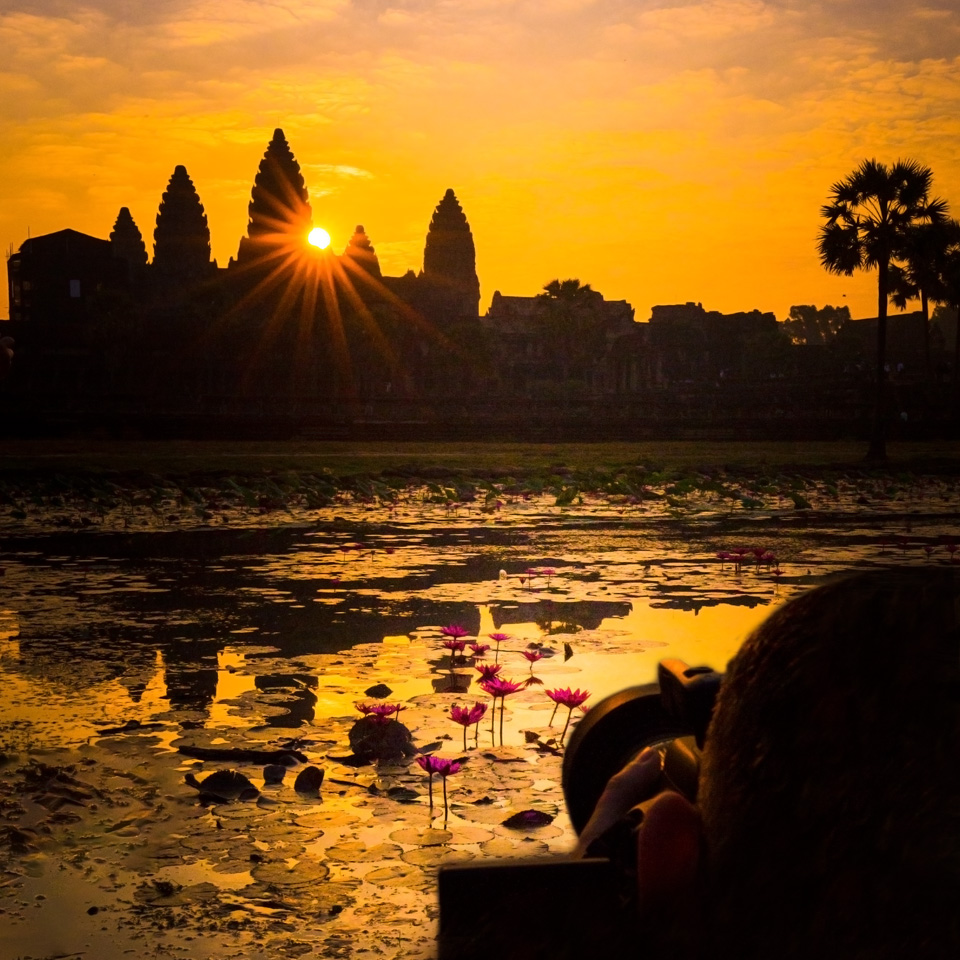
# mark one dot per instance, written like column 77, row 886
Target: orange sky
column 660, row 150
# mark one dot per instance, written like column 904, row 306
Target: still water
column 118, row 649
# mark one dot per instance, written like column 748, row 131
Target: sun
column 319, row 238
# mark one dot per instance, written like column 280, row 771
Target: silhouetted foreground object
column 830, row 792
column 181, row 240
column 869, row 217
column 291, row 341
column 450, row 259
column 127, row 242
column 279, row 211
column 55, row 277
column 6, row 355
column 361, row 254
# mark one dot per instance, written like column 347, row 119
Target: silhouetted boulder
column 309, row 780
column 372, row 739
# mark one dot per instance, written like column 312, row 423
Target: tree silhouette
column 918, row 277
column 181, row 240
column 808, row 325
column 868, row 217
column 573, row 322
column 948, row 290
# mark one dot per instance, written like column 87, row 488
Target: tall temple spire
column 449, row 257
column 360, row 251
column 181, row 240
column 279, row 209
column 126, row 241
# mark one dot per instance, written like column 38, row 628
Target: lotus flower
column 489, row 670
column 466, row 717
column 498, row 638
column 455, row 630
column 379, row 712
column 569, row 699
column 455, row 646
column 499, row 687
column 532, row 656
column 479, row 649
column 432, row 765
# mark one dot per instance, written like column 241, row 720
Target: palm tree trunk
column 925, row 308
column 878, row 441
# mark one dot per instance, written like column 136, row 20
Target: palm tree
column 948, row 291
column 869, row 215
column 573, row 326
column 922, row 253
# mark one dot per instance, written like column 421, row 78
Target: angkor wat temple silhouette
column 291, row 340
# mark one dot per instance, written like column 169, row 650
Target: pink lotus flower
column 533, row 656
column 569, row 699
column 445, row 768
column 499, row 638
column 455, row 646
column 499, row 687
column 479, row 649
column 467, row 717
column 489, row 670
column 430, row 763
column 455, row 630
column 379, row 712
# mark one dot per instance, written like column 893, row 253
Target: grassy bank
column 185, row 458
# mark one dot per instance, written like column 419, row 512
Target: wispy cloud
column 700, row 128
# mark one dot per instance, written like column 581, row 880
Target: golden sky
column 660, row 150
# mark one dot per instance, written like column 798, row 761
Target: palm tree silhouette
column 948, row 291
column 923, row 250
column 869, row 216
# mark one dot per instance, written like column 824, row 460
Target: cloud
column 541, row 113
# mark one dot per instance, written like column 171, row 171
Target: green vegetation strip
column 519, row 460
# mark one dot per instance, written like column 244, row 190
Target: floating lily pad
column 356, row 851
column 422, row 838
column 435, row 856
column 282, row 874
column 397, row 875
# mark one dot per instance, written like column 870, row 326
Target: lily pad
column 283, row 874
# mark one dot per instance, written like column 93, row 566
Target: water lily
column 502, row 688
column 380, row 712
column 431, row 765
column 479, row 649
column 488, row 671
column 498, row 638
column 455, row 630
column 467, row 717
column 568, row 698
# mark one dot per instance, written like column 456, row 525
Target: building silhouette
column 288, row 340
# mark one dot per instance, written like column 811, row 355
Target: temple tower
column 360, row 252
column 450, row 260
column 181, row 240
column 279, row 210
column 126, row 241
